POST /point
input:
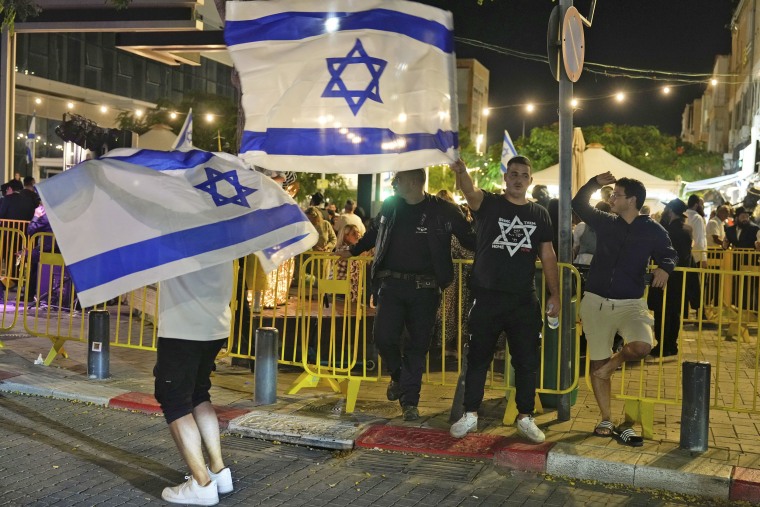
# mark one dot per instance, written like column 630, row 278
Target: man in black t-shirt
column 412, row 240
column 511, row 233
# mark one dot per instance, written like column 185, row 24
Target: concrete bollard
column 695, row 409
column 265, row 372
column 98, row 345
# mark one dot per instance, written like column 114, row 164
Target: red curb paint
column 226, row 414
column 136, row 401
column 745, row 485
column 429, row 441
column 8, row 374
column 520, row 455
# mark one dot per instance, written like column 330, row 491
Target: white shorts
column 602, row 318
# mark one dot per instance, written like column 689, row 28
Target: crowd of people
column 414, row 239
column 415, row 236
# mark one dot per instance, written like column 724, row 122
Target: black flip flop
column 628, row 436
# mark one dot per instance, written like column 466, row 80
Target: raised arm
column 472, row 194
column 581, row 204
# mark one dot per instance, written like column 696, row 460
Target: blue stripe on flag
column 167, row 160
column 269, row 252
column 302, row 25
column 325, row 142
column 119, row 262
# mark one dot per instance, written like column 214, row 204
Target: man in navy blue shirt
column 612, row 302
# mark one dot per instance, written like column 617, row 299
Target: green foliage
column 488, row 174
column 10, row 10
column 337, row 191
column 645, row 148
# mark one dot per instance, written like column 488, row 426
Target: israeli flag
column 184, row 140
column 135, row 217
column 31, row 138
column 345, row 86
column 507, row 151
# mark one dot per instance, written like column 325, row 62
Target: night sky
column 667, row 35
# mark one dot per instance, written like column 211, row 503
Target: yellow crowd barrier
column 717, row 323
column 12, row 248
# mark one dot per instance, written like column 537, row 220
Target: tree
column 645, row 148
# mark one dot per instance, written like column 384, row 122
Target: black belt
column 411, row 277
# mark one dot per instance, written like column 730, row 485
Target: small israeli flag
column 31, row 138
column 184, row 141
column 507, row 151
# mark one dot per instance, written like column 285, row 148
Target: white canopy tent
column 597, row 161
column 159, row 137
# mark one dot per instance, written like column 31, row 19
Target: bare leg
column 602, row 389
column 188, row 439
column 632, row 351
column 208, row 426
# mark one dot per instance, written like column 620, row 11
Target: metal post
column 565, row 230
column 695, row 408
column 7, row 101
column 265, row 371
column 98, row 345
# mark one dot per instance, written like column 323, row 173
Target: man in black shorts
column 193, row 325
column 512, row 233
column 412, row 240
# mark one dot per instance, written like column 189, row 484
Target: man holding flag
column 135, row 217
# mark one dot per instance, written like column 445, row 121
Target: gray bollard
column 265, row 370
column 98, row 348
column 695, row 409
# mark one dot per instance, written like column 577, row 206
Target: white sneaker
column 223, row 480
column 467, row 424
column 192, row 493
column 527, row 428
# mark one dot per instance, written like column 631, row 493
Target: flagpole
column 219, row 139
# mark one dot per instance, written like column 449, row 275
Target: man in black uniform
column 511, row 233
column 412, row 240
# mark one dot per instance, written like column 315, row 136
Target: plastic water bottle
column 552, row 322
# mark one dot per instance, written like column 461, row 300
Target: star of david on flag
column 230, row 177
column 337, row 86
column 136, row 217
column 345, row 86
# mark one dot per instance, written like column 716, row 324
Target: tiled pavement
column 729, row 469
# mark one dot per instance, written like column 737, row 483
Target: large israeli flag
column 345, row 86
column 135, row 217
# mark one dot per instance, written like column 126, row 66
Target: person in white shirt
column 348, row 217
column 696, row 220
column 193, row 325
column 716, row 227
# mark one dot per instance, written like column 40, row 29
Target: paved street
column 60, row 453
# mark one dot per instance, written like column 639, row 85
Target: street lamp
column 529, row 108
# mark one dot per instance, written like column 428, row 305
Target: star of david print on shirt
column 514, row 235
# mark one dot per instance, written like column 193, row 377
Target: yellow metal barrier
column 720, row 336
column 12, row 247
column 334, row 326
column 52, row 310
